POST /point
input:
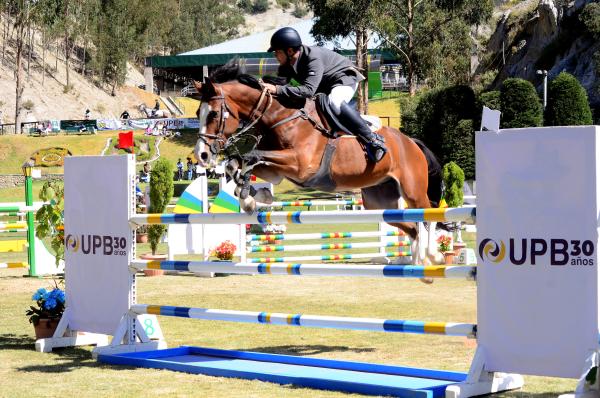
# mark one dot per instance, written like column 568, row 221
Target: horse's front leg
column 274, row 164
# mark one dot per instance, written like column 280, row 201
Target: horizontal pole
column 19, row 209
column 12, row 230
column 13, row 225
column 329, row 257
column 324, row 235
column 341, row 202
column 316, row 321
column 366, row 270
column 326, row 246
column 14, row 265
column 12, row 214
column 312, row 217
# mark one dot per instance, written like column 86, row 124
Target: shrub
column 567, row 103
column 28, row 104
column 459, row 146
column 161, row 192
column 520, row 104
column 299, row 11
column 441, row 110
column 454, row 179
column 260, row 6
column 284, row 4
column 491, row 99
column 590, row 16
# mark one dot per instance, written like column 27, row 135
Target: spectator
column 190, row 168
column 179, row 170
column 125, row 115
column 87, row 115
column 156, row 105
column 145, row 173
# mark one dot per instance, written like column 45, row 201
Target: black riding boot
column 374, row 143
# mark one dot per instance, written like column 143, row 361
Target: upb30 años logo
column 93, row 244
column 528, row 251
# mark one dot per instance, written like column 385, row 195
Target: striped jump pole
column 312, row 217
column 329, row 257
column 12, row 214
column 13, row 265
column 12, row 230
column 325, row 246
column 341, row 202
column 366, row 270
column 316, row 321
column 13, row 226
column 324, row 235
column 18, row 209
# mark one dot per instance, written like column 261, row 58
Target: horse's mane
column 236, row 70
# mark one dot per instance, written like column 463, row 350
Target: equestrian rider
column 319, row 70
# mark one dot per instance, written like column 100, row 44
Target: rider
column 125, row 115
column 318, row 69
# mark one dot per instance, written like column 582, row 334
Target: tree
column 458, row 144
column 520, row 104
column 161, row 192
column 335, row 19
column 454, row 179
column 438, row 114
column 567, row 103
column 433, row 36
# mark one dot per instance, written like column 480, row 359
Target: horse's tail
column 434, row 169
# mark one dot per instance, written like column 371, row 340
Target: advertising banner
column 98, row 240
column 537, row 233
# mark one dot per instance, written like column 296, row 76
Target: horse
column 152, row 114
column 291, row 144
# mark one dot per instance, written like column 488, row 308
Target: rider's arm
column 308, row 87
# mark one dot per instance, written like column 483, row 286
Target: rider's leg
column 338, row 100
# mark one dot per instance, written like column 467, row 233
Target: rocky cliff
column 544, row 35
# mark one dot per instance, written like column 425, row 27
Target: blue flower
column 41, row 292
column 50, row 303
column 59, row 295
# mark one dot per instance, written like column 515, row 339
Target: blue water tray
column 324, row 374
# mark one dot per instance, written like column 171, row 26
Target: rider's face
column 281, row 57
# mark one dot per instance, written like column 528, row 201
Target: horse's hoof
column 248, row 204
column 427, row 281
column 232, row 166
column 237, row 190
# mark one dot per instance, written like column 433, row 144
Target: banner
column 109, row 124
column 170, row 124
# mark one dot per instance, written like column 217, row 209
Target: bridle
column 219, row 140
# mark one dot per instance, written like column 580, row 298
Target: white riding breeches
column 341, row 94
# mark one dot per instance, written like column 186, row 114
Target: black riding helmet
column 285, row 38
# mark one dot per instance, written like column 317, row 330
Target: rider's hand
column 271, row 87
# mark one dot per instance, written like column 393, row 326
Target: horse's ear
column 208, row 89
column 197, row 85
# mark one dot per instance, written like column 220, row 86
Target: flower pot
column 449, row 258
column 141, row 238
column 458, row 246
column 45, row 328
column 154, row 257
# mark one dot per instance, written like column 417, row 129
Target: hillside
column 541, row 35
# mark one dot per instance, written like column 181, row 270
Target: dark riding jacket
column 318, row 70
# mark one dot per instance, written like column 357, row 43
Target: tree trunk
column 18, row 70
column 43, row 57
column 30, row 48
column 84, row 46
column 67, row 56
column 360, row 98
column 412, row 84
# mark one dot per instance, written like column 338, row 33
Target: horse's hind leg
column 387, row 196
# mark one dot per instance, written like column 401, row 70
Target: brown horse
column 292, row 145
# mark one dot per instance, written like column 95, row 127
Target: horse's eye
column 212, row 115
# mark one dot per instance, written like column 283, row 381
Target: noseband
column 219, row 140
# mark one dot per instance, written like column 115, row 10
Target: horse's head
column 219, row 120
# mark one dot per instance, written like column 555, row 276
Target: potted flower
column 48, row 309
column 224, row 251
column 444, row 247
